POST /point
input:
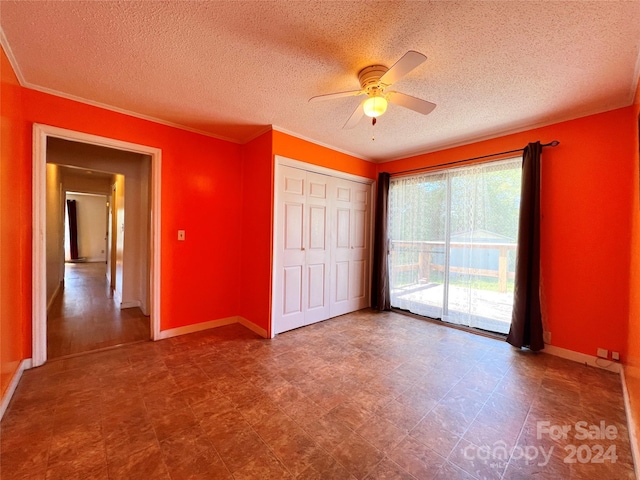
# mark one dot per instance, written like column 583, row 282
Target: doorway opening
column 128, row 278
column 86, row 216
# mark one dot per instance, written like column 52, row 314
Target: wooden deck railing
column 426, row 251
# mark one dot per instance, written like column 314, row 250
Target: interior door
column 360, row 254
column 303, row 243
column 350, row 247
column 317, row 258
column 290, row 264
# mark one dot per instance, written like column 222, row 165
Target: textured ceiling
column 232, row 68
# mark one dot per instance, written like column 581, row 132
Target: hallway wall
column 92, row 226
column 133, row 269
column 55, row 232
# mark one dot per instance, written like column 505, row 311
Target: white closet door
column 302, row 266
column 350, row 247
column 290, row 289
column 360, row 241
column 317, row 260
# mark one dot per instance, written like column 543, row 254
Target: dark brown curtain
column 526, row 320
column 380, row 295
column 73, row 229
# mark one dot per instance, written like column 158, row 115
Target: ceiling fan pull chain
column 373, row 132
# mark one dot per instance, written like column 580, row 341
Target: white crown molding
column 262, row 131
column 635, row 81
column 123, row 111
column 12, row 59
column 316, row 142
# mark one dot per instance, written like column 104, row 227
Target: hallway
column 84, row 316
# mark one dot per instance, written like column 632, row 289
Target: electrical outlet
column 546, row 337
column 181, row 235
column 615, row 356
column 603, row 353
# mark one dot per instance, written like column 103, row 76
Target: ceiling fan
column 374, row 81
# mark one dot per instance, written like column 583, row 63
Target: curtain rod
column 554, row 143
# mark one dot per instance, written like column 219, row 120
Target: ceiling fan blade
column 412, row 103
column 355, row 117
column 331, row 96
column 408, row 62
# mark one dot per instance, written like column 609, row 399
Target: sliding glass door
column 453, row 241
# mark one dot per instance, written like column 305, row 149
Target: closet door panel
column 292, row 302
column 293, row 219
column 317, row 258
column 317, row 291
column 341, row 287
column 360, row 246
column 351, row 251
column 291, row 292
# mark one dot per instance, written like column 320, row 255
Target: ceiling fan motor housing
column 370, row 78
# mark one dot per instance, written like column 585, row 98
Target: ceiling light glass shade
column 375, row 106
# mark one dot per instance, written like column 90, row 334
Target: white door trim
column 284, row 161
column 39, row 303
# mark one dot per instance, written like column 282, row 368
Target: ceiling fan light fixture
column 375, row 106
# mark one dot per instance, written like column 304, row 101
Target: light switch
column 180, row 234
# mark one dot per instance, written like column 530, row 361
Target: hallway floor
column 366, row 395
column 84, row 316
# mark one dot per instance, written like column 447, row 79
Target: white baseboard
column 583, row 358
column 132, row 304
column 174, row 332
column 11, row 389
column 117, row 297
column 197, row 327
column 55, row 295
column 632, row 422
column 253, row 327
column 100, row 259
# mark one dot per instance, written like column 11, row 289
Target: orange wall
column 15, row 229
column 257, row 214
column 587, row 186
column 304, row 151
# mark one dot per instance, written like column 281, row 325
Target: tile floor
column 366, row 395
